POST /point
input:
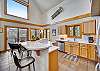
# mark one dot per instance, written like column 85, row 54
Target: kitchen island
column 47, row 52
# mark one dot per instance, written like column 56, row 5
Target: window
column 18, row 8
column 74, row 31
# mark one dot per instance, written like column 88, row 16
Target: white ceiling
column 45, row 5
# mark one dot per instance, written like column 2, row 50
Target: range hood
column 95, row 7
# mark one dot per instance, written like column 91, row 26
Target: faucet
column 74, row 38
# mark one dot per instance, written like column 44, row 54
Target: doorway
column 15, row 34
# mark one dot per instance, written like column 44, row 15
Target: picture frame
column 53, row 32
column 1, row 30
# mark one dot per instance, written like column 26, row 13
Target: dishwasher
column 61, row 45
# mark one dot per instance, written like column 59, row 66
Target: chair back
column 16, row 60
column 14, row 46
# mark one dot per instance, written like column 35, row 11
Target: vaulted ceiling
column 45, row 5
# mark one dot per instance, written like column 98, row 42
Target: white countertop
column 29, row 45
column 53, row 48
column 76, row 41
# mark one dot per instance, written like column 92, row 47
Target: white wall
column 34, row 13
column 35, row 17
column 3, row 23
column 71, row 9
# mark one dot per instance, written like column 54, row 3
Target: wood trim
column 76, row 17
column 21, row 22
column 5, row 38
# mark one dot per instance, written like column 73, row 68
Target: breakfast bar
column 40, row 51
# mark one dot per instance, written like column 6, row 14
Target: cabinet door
column 83, row 50
column 89, row 27
column 91, row 52
column 92, row 26
column 67, row 48
column 62, row 30
column 70, row 31
column 53, row 61
column 75, row 49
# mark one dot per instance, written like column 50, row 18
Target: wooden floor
column 80, row 65
column 6, row 64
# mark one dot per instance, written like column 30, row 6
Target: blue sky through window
column 16, row 9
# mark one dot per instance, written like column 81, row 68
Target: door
column 16, row 35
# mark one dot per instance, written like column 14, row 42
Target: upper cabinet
column 95, row 7
column 74, row 30
column 62, row 30
column 89, row 28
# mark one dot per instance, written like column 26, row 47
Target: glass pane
column 77, row 30
column 16, row 9
column 23, row 35
column 71, row 31
column 12, row 36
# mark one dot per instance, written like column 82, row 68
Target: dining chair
column 14, row 47
column 22, row 63
column 23, row 49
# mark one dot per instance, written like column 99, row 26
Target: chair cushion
column 26, row 61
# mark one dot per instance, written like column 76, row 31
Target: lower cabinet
column 75, row 49
column 83, row 50
column 92, row 52
column 67, row 47
column 53, row 61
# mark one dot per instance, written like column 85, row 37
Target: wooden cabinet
column 91, row 52
column 75, row 49
column 53, row 61
column 62, row 30
column 74, row 30
column 83, row 50
column 68, row 47
column 89, row 27
column 71, row 47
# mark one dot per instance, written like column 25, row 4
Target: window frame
column 5, row 11
column 74, row 36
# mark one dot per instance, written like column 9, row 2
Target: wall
column 3, row 23
column 71, row 9
column 35, row 17
column 34, row 13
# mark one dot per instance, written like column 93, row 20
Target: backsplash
column 83, row 39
